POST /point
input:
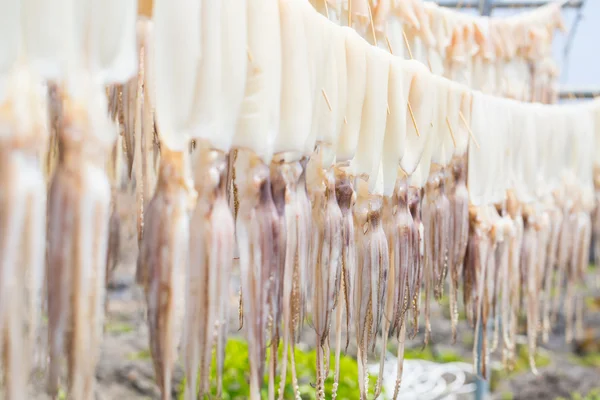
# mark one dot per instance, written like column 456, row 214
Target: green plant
column 118, row 327
column 139, row 355
column 427, row 353
column 593, row 394
column 236, row 374
column 587, row 360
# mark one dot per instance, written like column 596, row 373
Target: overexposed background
column 580, row 66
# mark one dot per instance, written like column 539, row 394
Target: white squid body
column 212, row 226
column 419, row 87
column 356, row 70
column 258, row 224
column 345, row 150
column 374, row 114
column 296, row 117
column 394, row 142
column 423, row 91
column 258, row 121
column 78, row 237
column 80, row 192
column 163, row 258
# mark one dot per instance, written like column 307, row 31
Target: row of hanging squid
column 348, row 184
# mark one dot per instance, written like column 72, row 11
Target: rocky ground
column 125, row 369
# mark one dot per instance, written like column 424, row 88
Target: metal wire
column 514, row 4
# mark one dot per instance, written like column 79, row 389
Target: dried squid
column 325, row 257
column 510, row 316
column 458, row 197
column 257, row 230
column 208, row 274
column 346, row 198
column 297, row 241
column 23, row 206
column 211, row 246
column 79, row 199
column 289, row 189
column 417, row 249
column 478, row 261
column 258, row 222
column 163, row 258
column 372, row 269
column 399, row 226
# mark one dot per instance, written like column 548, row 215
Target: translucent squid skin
column 79, row 205
column 163, row 261
column 479, row 263
column 22, row 250
column 471, row 268
column 335, row 201
column 209, row 269
column 580, row 241
column 325, row 258
column 346, row 198
column 415, row 273
column 114, row 239
column 389, row 303
column 552, row 251
column 458, row 197
column 257, row 231
column 409, row 260
column 403, row 253
column 296, row 253
column 397, row 223
column 529, row 278
column 514, row 282
column 564, row 254
column 372, row 272
column 278, row 194
column 436, row 221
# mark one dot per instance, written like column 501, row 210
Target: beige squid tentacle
column 210, row 262
column 79, row 210
column 164, row 259
column 22, row 247
column 296, row 249
column 372, row 270
column 459, row 203
column 417, row 251
column 256, row 232
column 346, row 198
column 326, row 258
